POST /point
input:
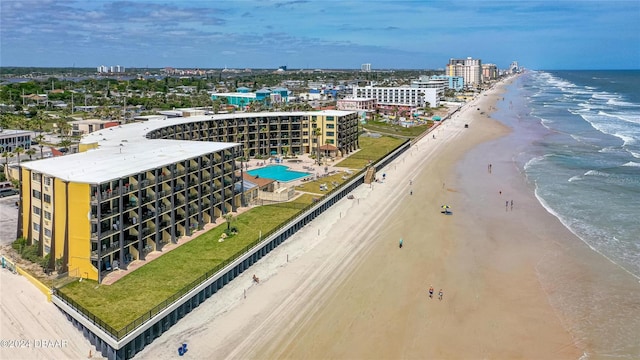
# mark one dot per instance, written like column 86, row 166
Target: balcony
column 110, row 194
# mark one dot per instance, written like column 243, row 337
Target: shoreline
column 349, row 292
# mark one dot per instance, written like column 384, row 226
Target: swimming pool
column 277, row 172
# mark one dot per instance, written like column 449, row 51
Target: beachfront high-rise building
column 489, row 72
column 514, row 68
column 469, row 69
column 365, row 67
column 135, row 188
column 404, row 96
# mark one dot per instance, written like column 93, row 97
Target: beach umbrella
column 446, row 208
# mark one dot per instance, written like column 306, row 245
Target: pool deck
column 302, row 163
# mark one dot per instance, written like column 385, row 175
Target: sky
column 329, row 34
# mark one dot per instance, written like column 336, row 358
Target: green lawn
column 387, row 128
column 314, row 186
column 140, row 291
column 370, row 149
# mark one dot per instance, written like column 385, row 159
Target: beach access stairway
column 370, row 176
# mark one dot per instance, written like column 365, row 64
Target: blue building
column 243, row 97
column 454, row 82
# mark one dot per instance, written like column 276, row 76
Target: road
column 8, row 219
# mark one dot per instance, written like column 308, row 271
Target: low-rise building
column 13, row 139
column 82, row 127
column 406, row 96
column 243, row 97
column 362, row 104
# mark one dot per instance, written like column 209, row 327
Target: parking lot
column 8, row 219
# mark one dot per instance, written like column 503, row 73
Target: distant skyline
column 326, row 34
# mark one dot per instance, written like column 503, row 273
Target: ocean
column 578, row 146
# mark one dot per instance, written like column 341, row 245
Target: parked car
column 8, row 192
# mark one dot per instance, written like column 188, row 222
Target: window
column 330, row 133
column 36, row 210
column 36, row 176
column 330, row 126
column 36, row 226
column 36, row 194
column 47, row 198
column 47, row 232
column 329, row 118
column 47, row 215
column 47, row 181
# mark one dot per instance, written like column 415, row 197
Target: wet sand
column 342, row 288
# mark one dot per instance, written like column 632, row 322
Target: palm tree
column 6, row 155
column 19, row 150
column 31, row 152
column 40, row 139
column 262, row 130
column 317, row 132
column 65, row 144
column 64, row 128
column 228, row 217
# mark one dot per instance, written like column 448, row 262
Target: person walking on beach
column 431, row 292
column 400, row 244
column 511, row 205
column 440, row 294
column 489, row 168
column 506, row 205
column 411, row 192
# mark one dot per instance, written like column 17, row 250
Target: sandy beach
column 32, row 328
column 342, row 287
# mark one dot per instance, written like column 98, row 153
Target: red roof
column 56, row 152
column 328, row 147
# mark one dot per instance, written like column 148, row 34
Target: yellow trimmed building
column 135, row 188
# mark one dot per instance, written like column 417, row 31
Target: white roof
column 124, row 150
column 236, row 94
column 10, row 132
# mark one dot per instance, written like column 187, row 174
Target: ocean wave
column 632, row 163
column 604, row 96
column 609, row 149
column 635, row 154
column 632, row 120
column 536, row 160
column 600, row 122
column 567, row 224
column 596, row 173
column 584, row 139
column 574, row 178
column 618, row 102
